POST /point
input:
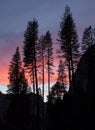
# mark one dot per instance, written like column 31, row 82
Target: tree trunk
column 43, row 74
column 37, row 93
column 69, row 71
column 33, row 79
column 48, row 74
column 72, row 68
column 43, row 90
column 71, row 59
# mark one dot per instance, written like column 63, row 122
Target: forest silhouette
column 24, row 109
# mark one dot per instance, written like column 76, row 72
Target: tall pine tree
column 29, row 51
column 42, row 55
column 30, row 59
column 16, row 77
column 88, row 39
column 68, row 39
column 49, row 56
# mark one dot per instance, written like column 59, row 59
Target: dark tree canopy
column 17, row 78
column 57, row 92
column 68, row 40
column 30, row 40
column 30, row 59
column 88, row 38
column 29, row 51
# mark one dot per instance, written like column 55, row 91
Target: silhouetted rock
column 83, row 91
column 77, row 110
column 84, row 77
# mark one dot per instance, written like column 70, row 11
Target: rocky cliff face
column 84, row 77
column 77, row 111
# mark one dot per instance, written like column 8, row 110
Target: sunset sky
column 15, row 14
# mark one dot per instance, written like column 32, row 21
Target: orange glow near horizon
column 4, row 73
column 4, row 76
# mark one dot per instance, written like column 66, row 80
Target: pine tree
column 29, row 51
column 41, row 53
column 69, row 41
column 16, row 77
column 30, row 59
column 49, row 56
column 58, row 89
column 57, row 92
column 88, row 39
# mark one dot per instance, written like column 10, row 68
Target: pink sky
column 6, row 56
column 16, row 14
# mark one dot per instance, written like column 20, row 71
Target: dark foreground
column 19, row 112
